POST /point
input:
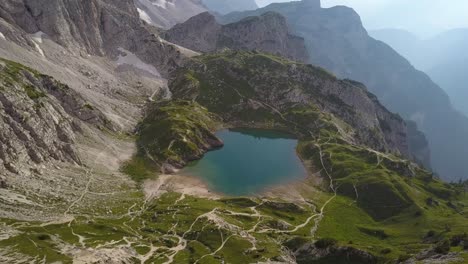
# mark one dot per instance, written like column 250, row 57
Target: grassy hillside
column 358, row 205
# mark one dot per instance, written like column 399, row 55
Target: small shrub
column 295, row 243
column 443, row 247
column 88, row 106
column 403, row 258
column 386, row 251
column 325, row 243
column 430, row 201
column 457, row 240
column 33, row 93
column 430, row 233
column 43, row 237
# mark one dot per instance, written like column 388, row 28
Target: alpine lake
column 250, row 162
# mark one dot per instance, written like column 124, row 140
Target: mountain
column 98, row 113
column 442, row 57
column 452, row 77
column 268, row 33
column 40, row 119
column 167, row 13
column 337, row 41
column 95, row 28
column 227, row 6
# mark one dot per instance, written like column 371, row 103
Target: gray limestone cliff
column 268, row 32
column 95, row 27
column 227, row 6
column 40, row 119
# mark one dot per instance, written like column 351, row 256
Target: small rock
column 3, row 184
column 12, row 168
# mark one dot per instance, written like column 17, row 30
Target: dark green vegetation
column 11, row 73
column 172, row 133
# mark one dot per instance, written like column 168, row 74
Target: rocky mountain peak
column 39, row 119
column 167, row 13
column 311, row 3
column 268, row 32
column 96, row 27
column 227, row 6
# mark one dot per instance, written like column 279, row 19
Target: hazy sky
column 424, row 17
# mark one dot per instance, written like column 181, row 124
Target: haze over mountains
column 442, row 57
column 424, row 18
column 337, row 41
column 227, row 6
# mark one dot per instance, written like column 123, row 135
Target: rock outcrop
column 96, row 27
column 337, row 41
column 39, row 119
column 442, row 57
column 235, row 83
column 228, row 6
column 167, row 13
column 185, row 132
column 268, row 32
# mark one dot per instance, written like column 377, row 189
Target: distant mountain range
column 267, row 33
column 442, row 57
column 227, row 6
column 167, row 13
column 337, row 41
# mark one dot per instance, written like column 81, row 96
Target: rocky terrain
column 441, row 57
column 166, row 13
column 39, row 119
column 202, row 33
column 226, row 6
column 95, row 28
column 337, row 41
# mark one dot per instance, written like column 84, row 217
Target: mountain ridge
column 202, row 33
column 444, row 65
column 226, row 6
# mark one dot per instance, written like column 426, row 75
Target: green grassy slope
column 369, row 207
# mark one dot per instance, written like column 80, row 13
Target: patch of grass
column 33, row 93
column 139, row 169
column 88, row 106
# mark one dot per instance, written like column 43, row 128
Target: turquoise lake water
column 249, row 162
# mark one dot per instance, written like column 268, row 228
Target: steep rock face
column 337, row 41
column 185, row 133
column 167, row 13
column 96, row 27
column 260, row 83
column 442, row 57
column 39, row 119
column 268, row 32
column 227, row 6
